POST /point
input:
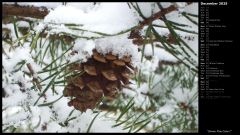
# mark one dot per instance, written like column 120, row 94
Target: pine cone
column 103, row 76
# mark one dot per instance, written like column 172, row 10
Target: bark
column 25, row 11
column 135, row 33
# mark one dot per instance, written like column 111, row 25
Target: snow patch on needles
column 140, row 100
column 160, row 53
column 84, row 50
column 96, row 19
column 120, row 46
column 64, row 14
column 101, row 124
column 149, row 66
column 19, row 117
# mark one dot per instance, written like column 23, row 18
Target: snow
column 61, row 108
column 64, row 14
column 20, row 55
column 119, row 46
column 193, row 8
column 100, row 124
column 181, row 4
column 96, row 19
column 22, row 24
column 19, row 116
column 40, row 27
column 148, row 8
column 173, row 16
column 139, row 99
column 149, row 66
column 160, row 53
column 167, row 109
column 184, row 95
column 13, row 92
column 10, row 27
column 84, row 50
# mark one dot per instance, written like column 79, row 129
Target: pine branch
column 25, row 11
column 135, row 33
column 158, row 15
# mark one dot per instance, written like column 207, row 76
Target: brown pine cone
column 104, row 76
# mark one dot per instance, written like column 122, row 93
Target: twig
column 25, row 11
column 140, row 41
column 135, row 34
column 29, row 66
column 171, row 63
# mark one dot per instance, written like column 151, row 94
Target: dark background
column 220, row 114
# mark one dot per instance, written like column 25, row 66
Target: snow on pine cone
column 104, row 76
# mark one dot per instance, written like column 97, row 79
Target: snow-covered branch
column 149, row 20
column 23, row 10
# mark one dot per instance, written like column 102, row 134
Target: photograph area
column 127, row 67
